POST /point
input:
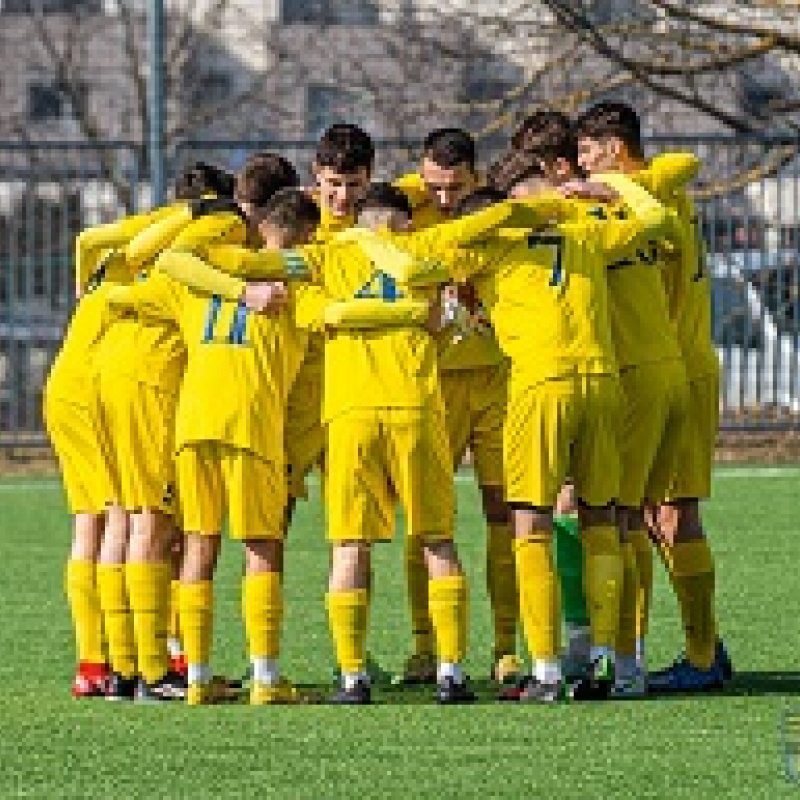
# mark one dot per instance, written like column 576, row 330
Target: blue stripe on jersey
column 211, row 318
column 238, row 330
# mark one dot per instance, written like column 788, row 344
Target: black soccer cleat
column 596, row 685
column 452, row 692
column 172, row 686
column 121, row 688
column 359, row 694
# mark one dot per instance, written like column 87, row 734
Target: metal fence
column 749, row 191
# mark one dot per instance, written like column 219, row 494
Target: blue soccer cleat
column 723, row 661
column 684, row 677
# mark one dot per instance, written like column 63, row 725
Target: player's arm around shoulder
column 669, row 172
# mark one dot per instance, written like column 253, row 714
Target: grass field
column 724, row 745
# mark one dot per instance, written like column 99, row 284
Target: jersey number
column 555, row 243
column 238, row 331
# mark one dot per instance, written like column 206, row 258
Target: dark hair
column 479, row 199
column 291, row 209
column 549, row 134
column 200, row 179
column 449, row 147
column 617, row 120
column 262, row 176
column 384, row 196
column 512, row 168
column 345, row 148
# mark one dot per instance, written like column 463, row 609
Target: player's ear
column 315, row 168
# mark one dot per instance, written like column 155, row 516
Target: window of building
column 50, row 100
column 52, row 6
column 328, row 105
column 330, row 12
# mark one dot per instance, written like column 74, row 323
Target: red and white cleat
column 90, row 680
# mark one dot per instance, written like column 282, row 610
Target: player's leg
column 419, row 464
column 488, row 399
column 201, row 490
column 117, row 617
column 174, row 642
column 683, row 544
column 360, row 509
column 569, row 566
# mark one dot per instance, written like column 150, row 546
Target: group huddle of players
column 550, row 314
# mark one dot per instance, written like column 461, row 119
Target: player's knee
column 566, row 503
column 263, row 555
column 350, row 566
column 679, row 520
column 114, row 547
column 532, row 520
column 87, row 537
column 441, row 558
column 200, row 557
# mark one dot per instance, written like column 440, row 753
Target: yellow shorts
column 139, row 421
column 561, row 427
column 82, row 449
column 304, row 432
column 475, row 403
column 214, row 478
column 377, row 456
column 655, row 399
column 692, row 476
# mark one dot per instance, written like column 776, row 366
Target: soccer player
column 547, row 294
column 609, row 140
column 474, row 381
column 72, row 418
column 230, row 446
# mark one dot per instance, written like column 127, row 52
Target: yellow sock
column 417, row 581
column 501, row 581
column 197, row 617
column 628, row 609
column 117, row 618
column 149, row 590
column 263, row 609
column 347, row 616
column 87, row 616
column 449, row 607
column 692, row 576
column 538, row 595
column 174, row 610
column 643, row 550
column 603, row 582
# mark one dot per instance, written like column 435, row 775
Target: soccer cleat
column 685, row 677
column 357, row 695
column 179, row 664
column 91, row 680
column 723, row 661
column 121, row 688
column 198, row 694
column 282, row 693
column 597, row 684
column 532, row 690
column 420, row 669
column 171, row 687
column 630, row 686
column 507, row 670
column 452, row 692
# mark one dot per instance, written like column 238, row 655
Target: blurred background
column 103, row 102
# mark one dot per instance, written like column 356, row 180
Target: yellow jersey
column 466, row 347
column 238, row 370
column 683, row 268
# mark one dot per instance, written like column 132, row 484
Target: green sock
column 569, row 565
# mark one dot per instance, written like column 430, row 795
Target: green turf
column 405, row 746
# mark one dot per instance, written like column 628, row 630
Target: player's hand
column 588, row 190
column 266, row 298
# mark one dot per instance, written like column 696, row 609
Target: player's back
column 377, row 368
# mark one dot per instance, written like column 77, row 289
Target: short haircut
column 291, row 209
column 479, row 199
column 384, row 197
column 512, row 168
column 550, row 134
column 449, row 147
column 261, row 177
column 200, row 179
column 617, row 120
column 346, row 148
